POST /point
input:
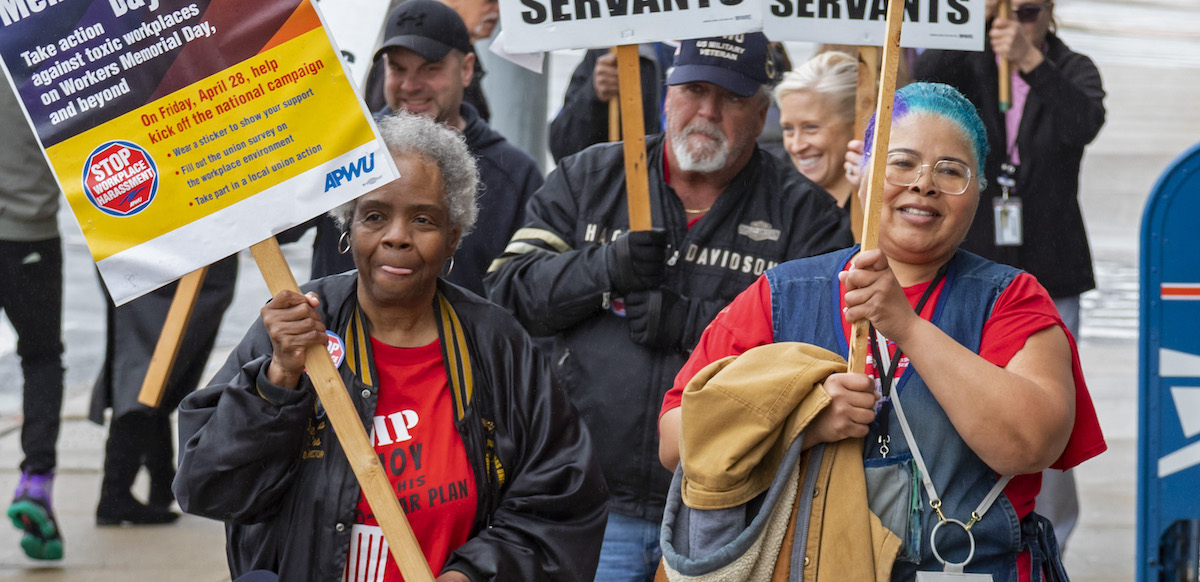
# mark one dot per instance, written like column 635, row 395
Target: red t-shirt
column 424, row 459
column 1023, row 309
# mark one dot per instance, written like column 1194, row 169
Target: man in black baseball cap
column 429, row 60
column 626, row 308
column 427, row 27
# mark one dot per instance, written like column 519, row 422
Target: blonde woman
column 816, row 112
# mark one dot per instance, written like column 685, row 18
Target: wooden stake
column 637, row 184
column 878, row 161
column 349, row 429
column 864, row 105
column 154, row 385
column 1005, row 66
column 614, row 119
column 614, row 115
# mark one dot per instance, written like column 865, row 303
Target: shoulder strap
column 358, row 346
column 455, row 355
column 462, row 384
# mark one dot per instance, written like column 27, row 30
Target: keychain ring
column 933, row 542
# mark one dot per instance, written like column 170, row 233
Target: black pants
column 31, row 289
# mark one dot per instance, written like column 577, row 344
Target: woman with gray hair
column 816, row 112
column 489, row 459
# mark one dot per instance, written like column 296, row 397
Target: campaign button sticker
column 120, row 178
column 337, row 349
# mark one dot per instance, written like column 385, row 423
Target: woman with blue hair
column 973, row 385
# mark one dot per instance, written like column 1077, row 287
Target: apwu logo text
column 364, row 165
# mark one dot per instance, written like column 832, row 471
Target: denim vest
column 805, row 307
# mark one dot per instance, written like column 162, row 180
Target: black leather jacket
column 263, row 459
column 553, row 277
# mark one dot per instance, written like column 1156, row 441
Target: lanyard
column 884, row 361
column 936, row 502
column 887, row 373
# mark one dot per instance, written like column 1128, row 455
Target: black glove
column 657, row 318
column 637, row 260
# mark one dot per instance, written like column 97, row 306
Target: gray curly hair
column 405, row 133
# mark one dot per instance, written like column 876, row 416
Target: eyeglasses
column 949, row 176
column 1029, row 13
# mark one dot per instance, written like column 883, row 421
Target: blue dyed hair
column 943, row 101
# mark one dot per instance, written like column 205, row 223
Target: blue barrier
column 1168, row 527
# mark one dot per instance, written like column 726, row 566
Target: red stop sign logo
column 120, row 178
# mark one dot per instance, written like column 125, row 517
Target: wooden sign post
column 637, row 184
column 878, row 160
column 1005, row 66
column 349, row 429
column 864, row 105
column 614, row 115
column 154, row 385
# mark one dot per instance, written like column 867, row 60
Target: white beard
column 704, row 158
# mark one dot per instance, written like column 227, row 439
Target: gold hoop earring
column 450, row 269
column 344, row 243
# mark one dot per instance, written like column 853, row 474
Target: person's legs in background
column 159, row 460
column 630, row 552
column 129, row 435
column 1059, row 499
column 141, row 436
column 31, row 296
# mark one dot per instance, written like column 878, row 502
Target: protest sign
column 543, row 25
column 937, row 24
column 182, row 131
column 357, row 28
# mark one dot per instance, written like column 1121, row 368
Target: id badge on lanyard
column 1006, row 209
column 952, row 577
column 953, row 571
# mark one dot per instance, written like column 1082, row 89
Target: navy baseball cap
column 427, row 27
column 740, row 63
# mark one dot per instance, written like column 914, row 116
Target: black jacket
column 1063, row 113
column 507, row 178
column 583, row 119
column 554, row 278
column 263, row 459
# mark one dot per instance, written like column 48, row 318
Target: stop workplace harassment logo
column 120, row 178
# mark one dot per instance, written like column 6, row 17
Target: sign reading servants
column 542, row 25
column 937, row 24
column 182, row 132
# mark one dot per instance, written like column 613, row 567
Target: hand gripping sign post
column 542, row 25
column 873, row 205
column 181, row 132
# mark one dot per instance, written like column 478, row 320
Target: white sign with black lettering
column 543, row 25
column 357, row 29
column 934, row 24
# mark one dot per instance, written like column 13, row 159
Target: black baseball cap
column 427, row 27
column 739, row 63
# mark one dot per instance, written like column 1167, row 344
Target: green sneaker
column 31, row 512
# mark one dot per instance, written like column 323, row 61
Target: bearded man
column 625, row 308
